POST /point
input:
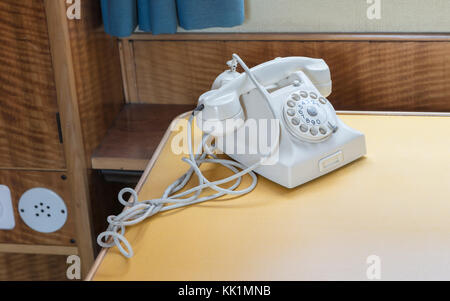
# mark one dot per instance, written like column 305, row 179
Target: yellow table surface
column 394, row 203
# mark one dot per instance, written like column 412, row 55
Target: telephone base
column 310, row 167
column 307, row 140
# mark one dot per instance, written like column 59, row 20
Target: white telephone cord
column 137, row 211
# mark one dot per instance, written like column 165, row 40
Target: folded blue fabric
column 198, row 14
column 120, row 17
column 158, row 16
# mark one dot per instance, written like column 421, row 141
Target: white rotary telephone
column 307, row 139
column 312, row 139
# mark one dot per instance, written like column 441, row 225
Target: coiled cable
column 137, row 211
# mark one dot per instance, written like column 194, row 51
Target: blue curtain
column 121, row 17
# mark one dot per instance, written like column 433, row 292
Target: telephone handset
column 312, row 140
column 222, row 102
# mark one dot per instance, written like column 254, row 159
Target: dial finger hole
column 291, row 112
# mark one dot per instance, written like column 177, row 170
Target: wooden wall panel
column 28, row 126
column 90, row 95
column 100, row 97
column 96, row 62
column 32, row 267
column 367, row 75
column 21, row 181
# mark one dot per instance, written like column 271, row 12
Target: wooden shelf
column 137, row 131
column 38, row 249
column 273, row 36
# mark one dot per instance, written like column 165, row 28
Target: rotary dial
column 309, row 116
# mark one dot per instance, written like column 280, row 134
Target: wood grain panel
column 367, row 75
column 131, row 141
column 28, row 127
column 38, row 249
column 73, row 146
column 100, row 97
column 96, row 62
column 90, row 94
column 128, row 71
column 21, row 181
column 32, row 267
